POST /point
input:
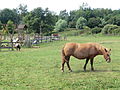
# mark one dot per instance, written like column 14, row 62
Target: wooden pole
column 12, row 44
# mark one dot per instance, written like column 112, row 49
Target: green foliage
column 22, row 10
column 6, row 15
column 96, row 30
column 1, row 25
column 61, row 25
column 109, row 28
column 81, row 22
column 94, row 22
column 44, row 20
column 86, row 30
column 10, row 26
column 103, row 22
column 63, row 15
column 39, row 18
column 114, row 20
column 72, row 19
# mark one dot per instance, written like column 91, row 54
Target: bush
column 109, row 29
column 96, row 30
column 61, row 25
column 86, row 30
column 116, row 31
column 81, row 22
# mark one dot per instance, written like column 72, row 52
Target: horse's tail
column 63, row 55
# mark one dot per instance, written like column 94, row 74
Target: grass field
column 39, row 68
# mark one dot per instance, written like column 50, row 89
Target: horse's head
column 107, row 54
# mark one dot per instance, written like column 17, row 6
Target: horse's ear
column 105, row 50
column 110, row 49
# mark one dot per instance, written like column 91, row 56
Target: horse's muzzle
column 108, row 60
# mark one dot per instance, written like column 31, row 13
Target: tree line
column 45, row 21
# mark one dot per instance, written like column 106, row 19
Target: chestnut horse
column 83, row 51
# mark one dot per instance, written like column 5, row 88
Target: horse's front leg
column 86, row 64
column 91, row 62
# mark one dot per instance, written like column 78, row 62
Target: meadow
column 39, row 68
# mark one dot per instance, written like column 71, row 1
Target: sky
column 58, row 5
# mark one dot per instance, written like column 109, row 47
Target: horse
column 83, row 51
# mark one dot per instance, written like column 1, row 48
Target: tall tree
column 1, row 26
column 6, row 15
column 40, row 20
column 63, row 15
column 22, row 10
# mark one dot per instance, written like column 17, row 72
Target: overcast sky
column 58, row 5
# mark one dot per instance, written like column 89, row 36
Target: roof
column 21, row 27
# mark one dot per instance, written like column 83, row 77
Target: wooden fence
column 34, row 41
column 7, row 45
column 45, row 39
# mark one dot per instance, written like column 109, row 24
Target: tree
column 16, row 16
column 6, row 15
column 1, row 26
column 72, row 19
column 114, row 20
column 22, row 10
column 10, row 26
column 94, row 22
column 40, row 19
column 60, row 25
column 81, row 22
column 103, row 22
column 63, row 15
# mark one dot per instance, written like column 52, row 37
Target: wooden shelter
column 22, row 27
column 22, row 30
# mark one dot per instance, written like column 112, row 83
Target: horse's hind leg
column 86, row 64
column 65, row 59
column 67, row 62
column 63, row 62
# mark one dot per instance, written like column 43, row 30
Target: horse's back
column 81, row 50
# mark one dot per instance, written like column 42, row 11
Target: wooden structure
column 7, row 45
column 22, row 30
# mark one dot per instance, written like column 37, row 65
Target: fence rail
column 34, row 41
column 45, row 39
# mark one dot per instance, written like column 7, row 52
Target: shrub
column 60, row 25
column 116, row 31
column 108, row 29
column 81, row 22
column 96, row 30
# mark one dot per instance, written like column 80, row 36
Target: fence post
column 41, row 38
column 46, row 38
column 50, row 38
column 12, row 44
column 0, row 45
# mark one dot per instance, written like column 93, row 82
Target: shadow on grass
column 78, row 71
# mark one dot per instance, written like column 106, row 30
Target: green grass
column 39, row 68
